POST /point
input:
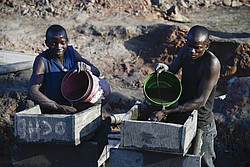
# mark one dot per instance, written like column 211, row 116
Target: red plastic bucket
column 84, row 87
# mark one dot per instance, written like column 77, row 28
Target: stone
column 227, row 2
column 236, row 3
column 174, row 15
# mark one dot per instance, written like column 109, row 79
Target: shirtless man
column 200, row 73
column 49, row 69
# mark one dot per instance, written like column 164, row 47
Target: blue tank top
column 54, row 74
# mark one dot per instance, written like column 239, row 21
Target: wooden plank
column 116, row 119
column 33, row 110
column 106, row 151
column 86, row 122
column 40, row 129
column 141, row 158
column 87, row 115
column 9, row 57
column 20, row 66
column 149, row 135
column 132, row 114
column 189, row 133
column 114, row 136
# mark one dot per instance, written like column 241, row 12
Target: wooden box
column 140, row 158
column 30, row 126
column 92, row 153
column 157, row 136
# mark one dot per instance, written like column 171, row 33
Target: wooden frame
column 157, row 136
column 30, row 126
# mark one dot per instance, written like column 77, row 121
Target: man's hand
column 81, row 66
column 66, row 109
column 159, row 67
column 159, row 115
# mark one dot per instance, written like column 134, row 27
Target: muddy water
column 165, row 95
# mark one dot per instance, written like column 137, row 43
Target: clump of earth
column 124, row 40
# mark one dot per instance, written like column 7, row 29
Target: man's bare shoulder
column 213, row 66
column 212, row 59
column 38, row 67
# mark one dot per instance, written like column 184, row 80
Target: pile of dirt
column 46, row 8
column 13, row 98
column 97, row 8
column 233, row 123
column 236, row 105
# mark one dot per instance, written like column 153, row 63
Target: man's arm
column 94, row 69
column 208, row 81
column 35, row 84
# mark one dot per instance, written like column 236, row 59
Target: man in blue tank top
column 49, row 69
column 200, row 73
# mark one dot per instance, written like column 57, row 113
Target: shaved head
column 198, row 33
column 56, row 41
column 55, row 29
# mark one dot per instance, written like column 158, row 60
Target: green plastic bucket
column 164, row 93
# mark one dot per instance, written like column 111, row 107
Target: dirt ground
column 125, row 46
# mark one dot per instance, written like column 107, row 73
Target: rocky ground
column 125, row 40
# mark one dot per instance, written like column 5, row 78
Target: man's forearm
column 188, row 106
column 42, row 100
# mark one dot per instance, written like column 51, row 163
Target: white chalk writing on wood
column 35, row 130
column 60, row 128
column 48, row 129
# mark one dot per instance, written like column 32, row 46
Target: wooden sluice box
column 30, row 126
column 140, row 158
column 157, row 136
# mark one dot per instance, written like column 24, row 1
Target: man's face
column 195, row 48
column 57, row 43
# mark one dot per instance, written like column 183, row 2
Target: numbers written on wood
column 36, row 130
